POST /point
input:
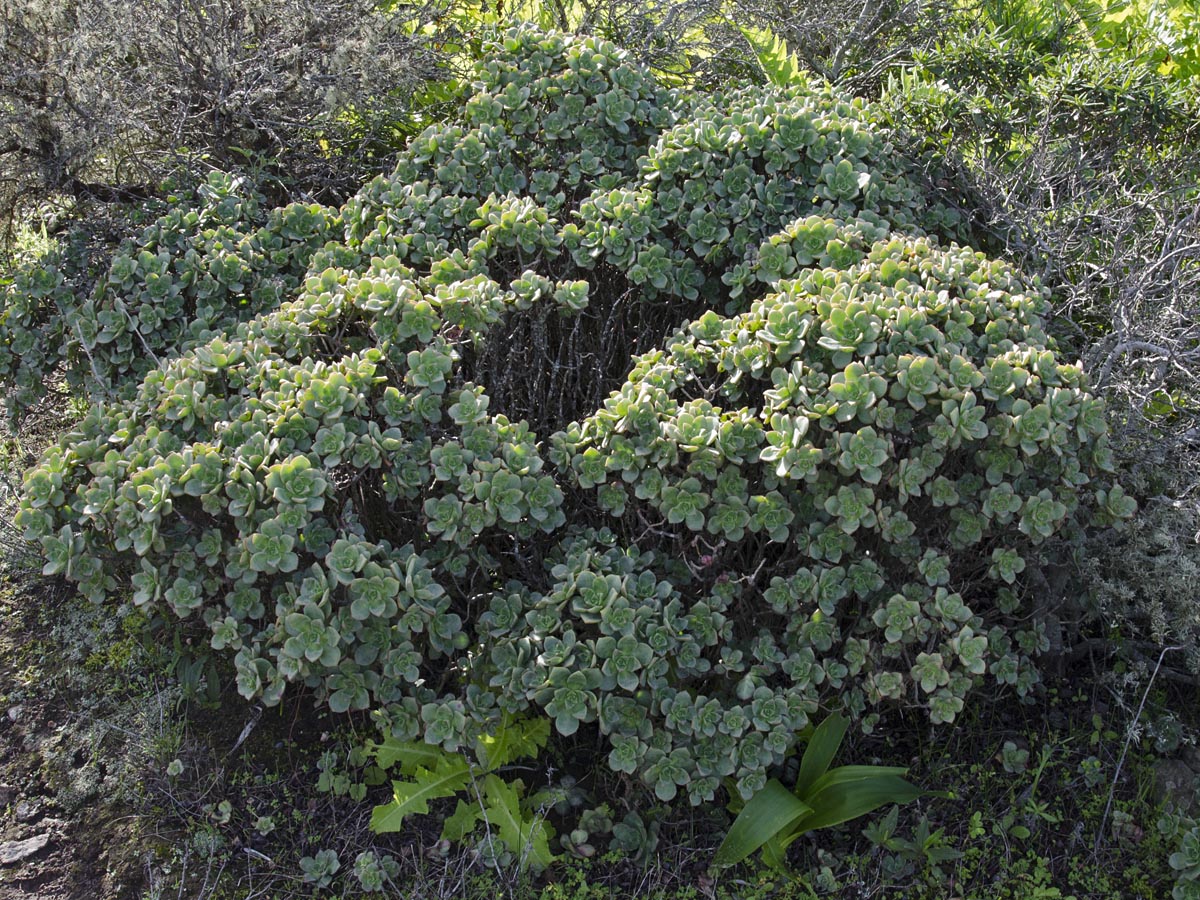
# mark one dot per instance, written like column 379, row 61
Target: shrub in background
column 98, row 101
column 1144, row 579
column 1082, row 166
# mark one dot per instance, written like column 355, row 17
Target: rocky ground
column 65, row 821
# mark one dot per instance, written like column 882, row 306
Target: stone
column 14, row 713
column 7, row 793
column 13, row 852
column 28, row 811
column 1175, row 783
column 1191, row 756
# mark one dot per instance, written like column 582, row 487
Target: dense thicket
column 822, row 484
column 1069, row 137
column 99, row 100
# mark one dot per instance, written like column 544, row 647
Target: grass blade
column 768, row 813
column 819, row 753
column 840, row 802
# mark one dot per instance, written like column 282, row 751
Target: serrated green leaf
column 462, row 822
column 412, row 797
column 514, row 739
column 526, row 837
column 411, row 755
column 778, row 64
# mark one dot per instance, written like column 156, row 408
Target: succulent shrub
column 850, row 478
column 216, row 257
column 840, row 450
column 574, row 174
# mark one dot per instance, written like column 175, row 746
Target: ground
column 54, row 779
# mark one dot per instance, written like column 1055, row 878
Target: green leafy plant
column 822, row 797
column 1164, row 34
column 218, row 256
column 432, row 773
column 374, row 871
column 778, row 64
column 926, row 847
column 1014, row 759
column 1186, row 863
column 320, row 869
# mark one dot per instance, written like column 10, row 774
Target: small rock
column 15, row 851
column 1191, row 756
column 7, row 792
column 28, row 811
column 1175, row 783
column 14, row 713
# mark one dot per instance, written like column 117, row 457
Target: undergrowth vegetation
column 639, row 431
